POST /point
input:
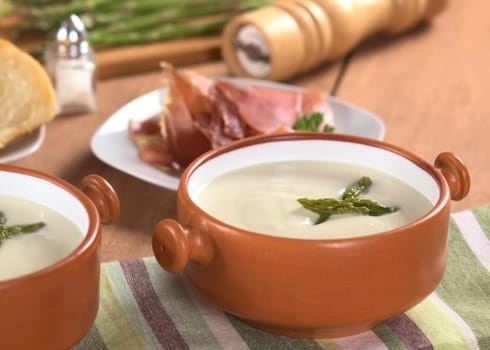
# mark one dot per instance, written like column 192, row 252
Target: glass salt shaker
column 71, row 64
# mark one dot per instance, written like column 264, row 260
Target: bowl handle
column 174, row 246
column 455, row 173
column 103, row 196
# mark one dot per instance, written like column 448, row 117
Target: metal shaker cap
column 71, row 38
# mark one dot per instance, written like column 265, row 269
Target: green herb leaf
column 312, row 122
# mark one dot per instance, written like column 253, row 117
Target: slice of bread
column 27, row 96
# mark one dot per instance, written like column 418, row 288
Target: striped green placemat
column 143, row 307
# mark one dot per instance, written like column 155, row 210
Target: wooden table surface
column 431, row 87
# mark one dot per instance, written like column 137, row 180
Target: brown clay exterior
column 309, row 288
column 54, row 308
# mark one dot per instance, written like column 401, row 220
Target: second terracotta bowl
column 313, row 288
column 55, row 306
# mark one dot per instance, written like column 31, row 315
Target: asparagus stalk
column 10, row 231
column 362, row 185
column 375, row 208
column 348, row 203
column 122, row 23
column 59, row 9
column 332, row 206
column 37, row 2
column 110, row 11
column 139, row 21
column 144, row 6
column 163, row 32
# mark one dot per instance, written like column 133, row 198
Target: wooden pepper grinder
column 279, row 41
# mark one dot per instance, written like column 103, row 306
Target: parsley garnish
column 311, row 122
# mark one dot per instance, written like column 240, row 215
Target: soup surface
column 263, row 198
column 25, row 253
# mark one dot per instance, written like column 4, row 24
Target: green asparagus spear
column 164, row 32
column 375, row 208
column 332, row 206
column 10, row 231
column 348, row 203
column 362, row 185
column 118, row 21
column 140, row 20
column 38, row 2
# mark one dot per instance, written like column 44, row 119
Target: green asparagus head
column 348, row 203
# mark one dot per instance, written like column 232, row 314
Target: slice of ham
column 207, row 101
column 185, row 141
column 266, row 109
column 215, row 116
column 152, row 147
column 145, row 127
column 201, row 113
column 233, row 124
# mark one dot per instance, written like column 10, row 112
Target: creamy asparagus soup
column 22, row 253
column 264, row 198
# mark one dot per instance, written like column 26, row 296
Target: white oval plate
column 23, row 146
column 111, row 143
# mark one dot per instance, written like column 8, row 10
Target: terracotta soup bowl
column 54, row 307
column 313, row 288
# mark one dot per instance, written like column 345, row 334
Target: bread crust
column 27, row 96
